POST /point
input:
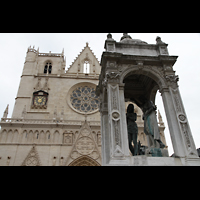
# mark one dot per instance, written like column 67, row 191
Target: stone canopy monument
column 133, row 70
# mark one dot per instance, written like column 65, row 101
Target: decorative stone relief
column 112, row 75
column 177, row 100
column 168, row 68
column 115, row 121
column 94, row 155
column 115, row 115
column 32, row 159
column 117, row 133
column 85, row 144
column 111, row 65
column 185, row 132
column 75, row 154
column 172, row 78
column 68, row 137
column 164, row 50
column 114, row 99
column 85, row 132
column 182, row 117
column 110, row 47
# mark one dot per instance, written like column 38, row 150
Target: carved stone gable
column 32, row 159
column 85, row 145
column 86, row 55
column 68, row 137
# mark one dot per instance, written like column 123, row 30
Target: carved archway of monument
column 142, row 83
column 151, row 72
column 84, row 161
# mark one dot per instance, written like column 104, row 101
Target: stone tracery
column 84, row 99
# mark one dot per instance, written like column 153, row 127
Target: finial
column 87, row 44
column 109, row 36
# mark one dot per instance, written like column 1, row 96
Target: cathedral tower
column 55, row 120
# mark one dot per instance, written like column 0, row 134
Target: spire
column 5, row 115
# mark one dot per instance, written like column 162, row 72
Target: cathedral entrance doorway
column 84, row 161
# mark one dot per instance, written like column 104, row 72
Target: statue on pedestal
column 131, row 118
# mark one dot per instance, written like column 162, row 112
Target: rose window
column 84, row 99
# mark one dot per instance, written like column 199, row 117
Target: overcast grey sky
column 13, row 47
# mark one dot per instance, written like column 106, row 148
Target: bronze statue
column 131, row 118
column 150, row 123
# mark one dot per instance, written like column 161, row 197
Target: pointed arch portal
column 84, row 161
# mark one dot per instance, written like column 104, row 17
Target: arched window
column 86, row 67
column 48, row 68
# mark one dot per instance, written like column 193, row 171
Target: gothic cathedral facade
column 56, row 121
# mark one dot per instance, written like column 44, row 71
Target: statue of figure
column 131, row 118
column 125, row 35
column 150, row 123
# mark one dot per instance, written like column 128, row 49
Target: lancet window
column 86, row 67
column 48, row 68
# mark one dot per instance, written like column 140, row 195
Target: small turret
column 31, row 54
